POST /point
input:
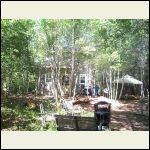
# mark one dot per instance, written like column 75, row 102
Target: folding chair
column 43, row 114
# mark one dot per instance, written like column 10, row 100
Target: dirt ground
column 125, row 115
column 131, row 115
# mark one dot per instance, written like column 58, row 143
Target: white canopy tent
column 128, row 79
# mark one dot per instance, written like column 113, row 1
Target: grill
column 102, row 112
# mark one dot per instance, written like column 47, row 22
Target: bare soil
column 125, row 115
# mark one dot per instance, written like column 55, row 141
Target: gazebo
column 127, row 79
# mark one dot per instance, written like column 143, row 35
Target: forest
column 37, row 55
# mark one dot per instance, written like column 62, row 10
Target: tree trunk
column 107, row 85
column 103, row 78
column 142, row 90
column 72, row 62
column 117, row 87
column 121, row 90
column 110, row 76
column 114, row 87
column 74, row 91
column 27, row 88
column 38, row 84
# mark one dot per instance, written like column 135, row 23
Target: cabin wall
column 46, row 84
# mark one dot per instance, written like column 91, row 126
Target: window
column 48, row 77
column 82, row 79
column 65, row 80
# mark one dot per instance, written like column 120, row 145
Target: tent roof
column 128, row 79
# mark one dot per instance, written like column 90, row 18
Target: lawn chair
column 102, row 114
column 68, row 107
column 71, row 109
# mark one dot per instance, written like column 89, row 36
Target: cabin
column 85, row 78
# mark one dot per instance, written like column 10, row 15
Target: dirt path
column 125, row 116
column 130, row 116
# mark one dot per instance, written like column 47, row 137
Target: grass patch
column 15, row 116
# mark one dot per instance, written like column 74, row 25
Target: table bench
column 76, row 123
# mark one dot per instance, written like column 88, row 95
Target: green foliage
column 105, row 45
column 17, row 62
column 144, row 99
column 123, row 44
column 51, row 126
column 17, row 117
column 25, row 44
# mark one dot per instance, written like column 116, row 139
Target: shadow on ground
column 121, row 121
